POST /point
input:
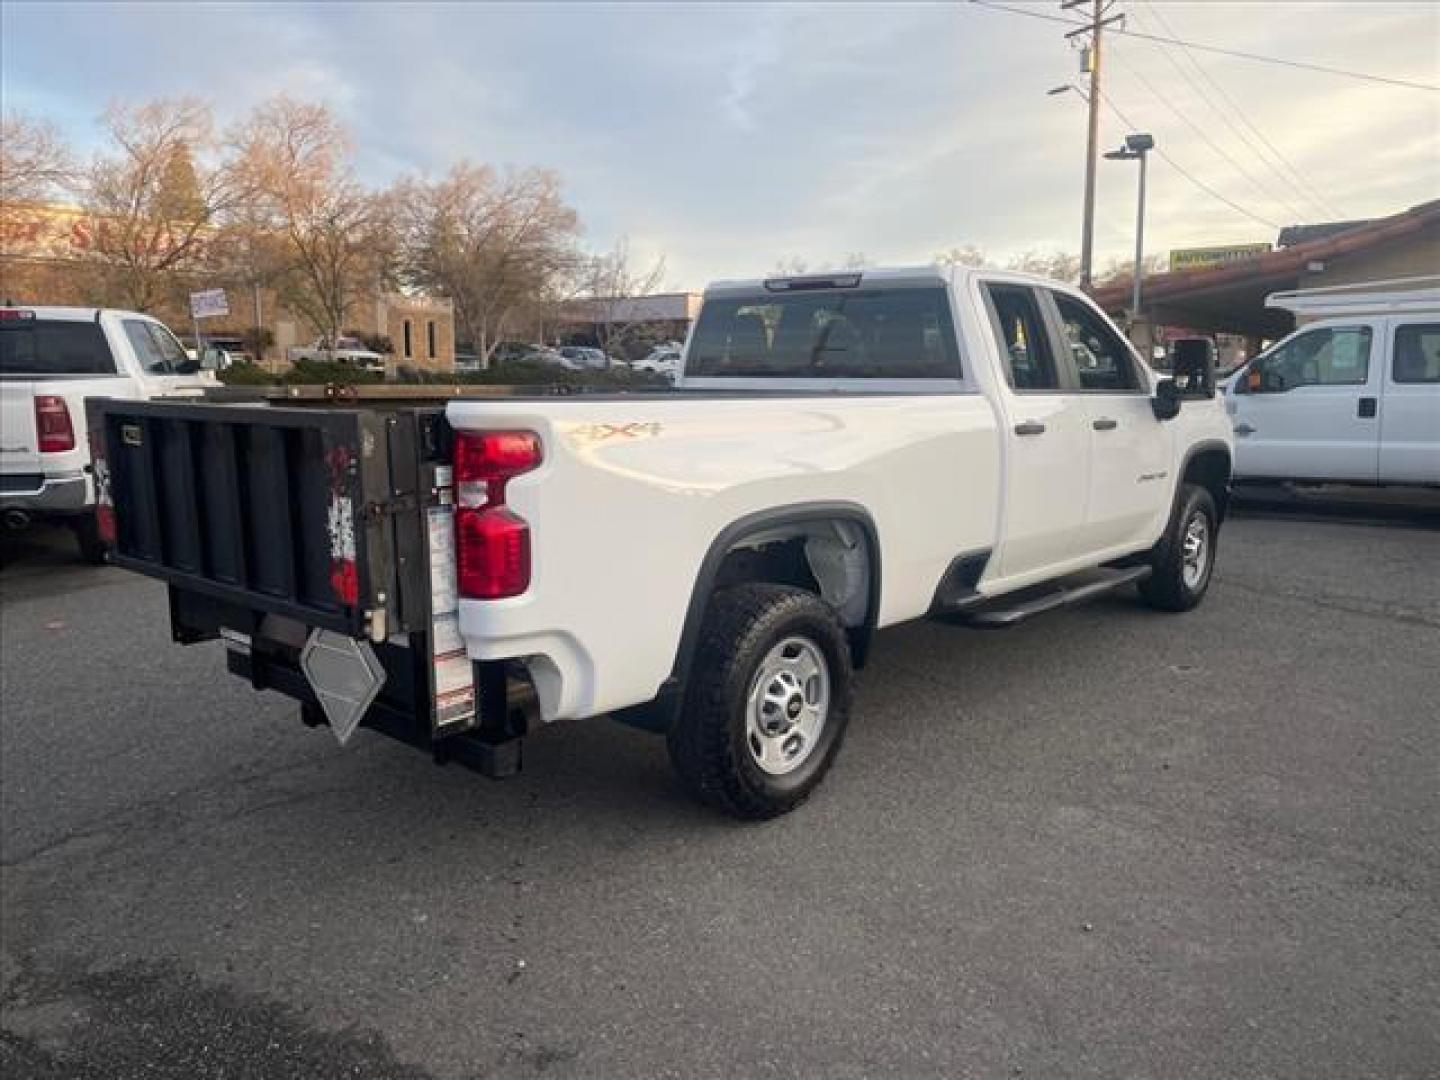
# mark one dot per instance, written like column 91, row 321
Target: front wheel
column 768, row 701
column 1184, row 559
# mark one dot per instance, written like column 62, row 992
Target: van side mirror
column 1166, row 402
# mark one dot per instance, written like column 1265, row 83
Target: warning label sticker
column 452, row 678
column 440, row 527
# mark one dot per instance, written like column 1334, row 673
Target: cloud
column 729, row 136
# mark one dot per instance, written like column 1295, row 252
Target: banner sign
column 210, row 303
column 1193, row 258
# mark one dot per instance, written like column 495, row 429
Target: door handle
column 1104, row 424
column 1030, row 427
column 1367, row 408
column 1243, row 429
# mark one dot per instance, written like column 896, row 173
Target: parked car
column 875, row 454
column 51, row 360
column 545, row 354
column 346, row 350
column 581, row 358
column 663, row 360
column 1352, row 397
column 508, row 351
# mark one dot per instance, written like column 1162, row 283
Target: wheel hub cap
column 788, row 702
column 1195, row 551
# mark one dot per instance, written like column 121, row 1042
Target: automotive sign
column 1193, row 258
column 211, row 302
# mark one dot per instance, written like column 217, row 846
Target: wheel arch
column 1209, row 464
column 772, row 524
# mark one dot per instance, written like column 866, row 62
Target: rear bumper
column 60, row 493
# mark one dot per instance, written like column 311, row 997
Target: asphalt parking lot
column 1108, row 843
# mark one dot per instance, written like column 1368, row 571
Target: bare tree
column 1118, row 270
column 966, row 255
column 155, row 198
column 1058, row 265
column 613, row 289
column 795, row 266
column 294, row 160
column 35, row 163
column 498, row 244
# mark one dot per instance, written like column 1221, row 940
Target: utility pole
column 1091, row 52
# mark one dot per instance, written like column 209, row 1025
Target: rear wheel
column 768, row 701
column 1184, row 559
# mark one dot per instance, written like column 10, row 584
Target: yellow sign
column 1192, row 258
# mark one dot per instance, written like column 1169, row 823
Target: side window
column 1020, row 330
column 147, row 349
column 171, row 350
column 1417, row 353
column 1333, row 356
column 1102, row 359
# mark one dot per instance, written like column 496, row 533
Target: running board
column 1005, row 611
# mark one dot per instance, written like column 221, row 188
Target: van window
column 1024, row 343
column 1329, row 356
column 43, row 347
column 895, row 333
column 1417, row 353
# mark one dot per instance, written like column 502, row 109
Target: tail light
column 492, row 543
column 52, row 424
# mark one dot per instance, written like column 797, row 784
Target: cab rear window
column 46, row 347
column 896, row 333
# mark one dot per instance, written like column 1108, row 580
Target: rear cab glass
column 885, row 332
column 44, row 348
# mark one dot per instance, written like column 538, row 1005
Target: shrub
column 247, row 375
column 319, row 372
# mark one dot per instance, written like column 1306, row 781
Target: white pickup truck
column 51, row 360
column 842, row 454
column 346, row 350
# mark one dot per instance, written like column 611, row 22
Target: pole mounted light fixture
column 1137, row 146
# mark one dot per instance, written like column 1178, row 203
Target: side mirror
column 1193, row 365
column 1166, row 402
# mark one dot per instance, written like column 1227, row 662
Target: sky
column 728, row 137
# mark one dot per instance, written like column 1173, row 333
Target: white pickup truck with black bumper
column 842, row 454
column 51, row 360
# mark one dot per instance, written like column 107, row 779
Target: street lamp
column 1135, row 148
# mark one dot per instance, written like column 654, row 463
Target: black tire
column 708, row 741
column 1167, row 588
column 87, row 539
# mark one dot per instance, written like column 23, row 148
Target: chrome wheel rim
column 788, row 703
column 1195, row 551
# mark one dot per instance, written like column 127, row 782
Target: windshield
column 895, row 333
column 53, row 347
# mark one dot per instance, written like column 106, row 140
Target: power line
column 1195, row 180
column 1303, row 65
column 1307, row 189
column 1201, row 132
